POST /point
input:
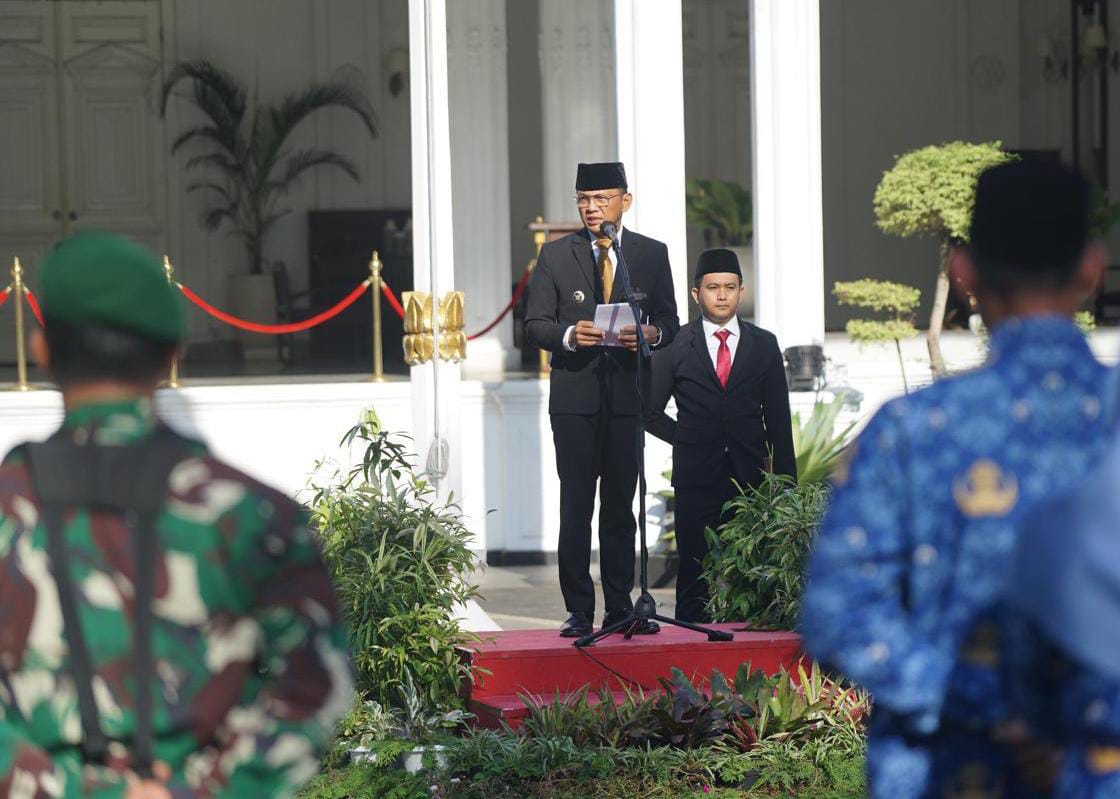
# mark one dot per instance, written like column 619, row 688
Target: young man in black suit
column 593, row 404
column 733, row 419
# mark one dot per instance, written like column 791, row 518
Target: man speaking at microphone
column 593, row 400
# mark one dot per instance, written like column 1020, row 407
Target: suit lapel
column 581, row 251
column 700, row 345
column 743, row 353
column 630, row 253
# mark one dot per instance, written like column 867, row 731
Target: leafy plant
column 400, row 561
column 415, row 722
column 930, row 192
column 756, row 561
column 816, row 445
column 898, row 300
column 247, row 147
column 723, row 208
column 1106, row 215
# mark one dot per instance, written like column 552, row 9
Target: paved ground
column 526, row 597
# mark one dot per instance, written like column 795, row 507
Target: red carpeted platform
column 542, row 664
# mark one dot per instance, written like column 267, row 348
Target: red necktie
column 723, row 357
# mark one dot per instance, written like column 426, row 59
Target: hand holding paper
column 611, row 319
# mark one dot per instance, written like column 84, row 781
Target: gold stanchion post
column 169, row 272
column 539, row 239
column 19, row 291
column 375, row 294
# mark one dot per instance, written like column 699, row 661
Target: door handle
column 56, row 214
column 73, row 216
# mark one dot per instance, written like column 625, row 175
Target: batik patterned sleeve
column 853, row 614
column 271, row 746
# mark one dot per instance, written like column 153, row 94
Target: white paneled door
column 81, row 140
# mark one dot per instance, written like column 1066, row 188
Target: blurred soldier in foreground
column 167, row 628
column 916, row 549
column 1063, row 630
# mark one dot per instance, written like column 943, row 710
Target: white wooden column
column 578, row 96
column 786, row 125
column 435, row 385
column 476, row 58
column 650, row 92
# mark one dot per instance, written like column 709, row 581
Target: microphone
column 608, row 229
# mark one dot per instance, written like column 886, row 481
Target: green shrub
column 816, row 445
column 930, row 192
column 899, row 301
column 756, row 561
column 400, row 560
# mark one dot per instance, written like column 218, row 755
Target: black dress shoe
column 615, row 616
column 577, row 626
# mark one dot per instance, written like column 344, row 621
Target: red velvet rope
column 391, row 298
column 4, row 295
column 34, row 303
column 518, row 290
column 292, row 327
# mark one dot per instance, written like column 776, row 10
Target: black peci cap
column 719, row 260
column 1031, row 217
column 607, row 175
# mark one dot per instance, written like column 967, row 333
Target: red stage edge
column 541, row 664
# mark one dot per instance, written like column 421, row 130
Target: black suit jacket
column 748, row 420
column 565, row 288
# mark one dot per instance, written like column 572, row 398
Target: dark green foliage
column 756, row 563
column 247, row 149
column 723, row 208
column 400, row 560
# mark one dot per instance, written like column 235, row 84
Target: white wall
column 283, row 46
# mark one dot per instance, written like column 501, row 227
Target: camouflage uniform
column 251, row 665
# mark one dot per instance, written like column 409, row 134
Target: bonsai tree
column 930, row 192
column 723, row 208
column 247, row 152
column 897, row 300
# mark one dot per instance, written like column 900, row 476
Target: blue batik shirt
column 914, row 551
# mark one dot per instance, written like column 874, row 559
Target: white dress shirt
column 710, row 329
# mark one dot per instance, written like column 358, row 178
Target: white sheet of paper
column 611, row 319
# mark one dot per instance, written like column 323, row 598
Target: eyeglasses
column 598, row 200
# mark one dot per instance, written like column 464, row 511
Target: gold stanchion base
column 23, row 388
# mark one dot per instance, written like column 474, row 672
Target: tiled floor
column 527, row 597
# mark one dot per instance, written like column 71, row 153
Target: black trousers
column 597, row 449
column 694, row 508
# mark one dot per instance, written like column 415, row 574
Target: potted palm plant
column 248, row 165
column 723, row 209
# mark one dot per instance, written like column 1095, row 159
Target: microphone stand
column 645, row 609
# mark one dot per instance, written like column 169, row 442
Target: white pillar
column 786, row 125
column 650, row 91
column 435, row 385
column 577, row 87
column 476, row 59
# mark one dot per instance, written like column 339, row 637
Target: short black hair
column 90, row 353
column 1030, row 225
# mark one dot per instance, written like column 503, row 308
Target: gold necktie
column 606, row 271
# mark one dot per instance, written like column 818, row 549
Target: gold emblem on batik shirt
column 1103, row 760
column 986, row 490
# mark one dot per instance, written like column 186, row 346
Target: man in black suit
column 733, row 419
column 593, row 404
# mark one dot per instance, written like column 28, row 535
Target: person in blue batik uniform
column 914, row 552
column 1062, row 630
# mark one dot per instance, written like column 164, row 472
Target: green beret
column 98, row 279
